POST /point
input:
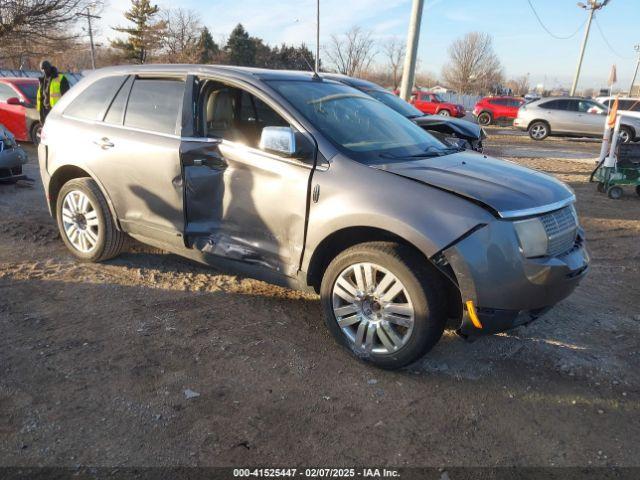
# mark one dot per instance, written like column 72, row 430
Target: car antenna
column 316, row 70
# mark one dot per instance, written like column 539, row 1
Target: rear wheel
column 384, row 303
column 539, row 130
column 615, row 192
column 638, row 190
column 85, row 222
column 444, row 113
column 485, row 119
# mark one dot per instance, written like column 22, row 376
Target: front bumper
column 11, row 162
column 506, row 288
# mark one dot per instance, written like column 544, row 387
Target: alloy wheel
column 484, row 119
column 80, row 221
column 624, row 136
column 373, row 309
column 538, row 131
column 444, row 113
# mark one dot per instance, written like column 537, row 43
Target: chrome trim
column 529, row 212
column 99, row 123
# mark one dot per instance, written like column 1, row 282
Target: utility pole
column 88, row 16
column 635, row 74
column 591, row 6
column 317, row 36
column 413, row 37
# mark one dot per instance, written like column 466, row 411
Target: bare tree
column 519, row 86
column 351, row 53
column 473, row 65
column 183, row 29
column 30, row 28
column 394, row 51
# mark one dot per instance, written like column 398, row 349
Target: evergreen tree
column 146, row 34
column 240, row 48
column 208, row 50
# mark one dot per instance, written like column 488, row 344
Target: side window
column 6, row 92
column 115, row 114
column 235, row 114
column 154, row 105
column 93, row 101
column 585, row 106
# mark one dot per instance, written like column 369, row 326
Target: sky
column 520, row 42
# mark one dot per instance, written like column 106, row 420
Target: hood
column 506, row 188
column 450, row 125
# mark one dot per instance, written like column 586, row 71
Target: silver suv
column 569, row 116
column 309, row 183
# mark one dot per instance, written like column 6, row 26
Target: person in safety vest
column 52, row 86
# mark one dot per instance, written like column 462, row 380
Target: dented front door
column 245, row 204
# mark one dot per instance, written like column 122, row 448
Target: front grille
column 561, row 227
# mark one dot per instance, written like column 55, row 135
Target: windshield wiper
column 430, row 152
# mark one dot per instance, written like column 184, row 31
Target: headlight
column 532, row 237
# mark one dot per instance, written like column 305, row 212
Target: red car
column 430, row 104
column 497, row 109
column 18, row 108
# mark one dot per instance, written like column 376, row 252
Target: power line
column 558, row 37
column 613, row 50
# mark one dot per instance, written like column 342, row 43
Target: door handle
column 104, row 143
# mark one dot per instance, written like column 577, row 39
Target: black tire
column 626, row 134
column 539, row 130
column 424, row 284
column 110, row 240
column 601, row 187
column 638, row 190
column 34, row 134
column 615, row 192
column 444, row 112
column 485, row 118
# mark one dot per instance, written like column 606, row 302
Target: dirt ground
column 151, row 360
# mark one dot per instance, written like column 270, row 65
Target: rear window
column 154, row 105
column 93, row 101
column 556, row 105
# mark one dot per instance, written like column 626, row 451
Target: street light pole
column 413, row 37
column 88, row 16
column 591, row 6
column 635, row 74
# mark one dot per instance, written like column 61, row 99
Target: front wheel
column 625, row 135
column 615, row 192
column 383, row 302
column 444, row 113
column 538, row 130
column 85, row 222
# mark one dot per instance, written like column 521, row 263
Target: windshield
column 29, row 90
column 357, row 124
column 395, row 102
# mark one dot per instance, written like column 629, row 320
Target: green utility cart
column 625, row 172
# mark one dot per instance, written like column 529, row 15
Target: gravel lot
column 151, row 360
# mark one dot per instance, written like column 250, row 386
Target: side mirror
column 278, row 140
column 13, row 101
